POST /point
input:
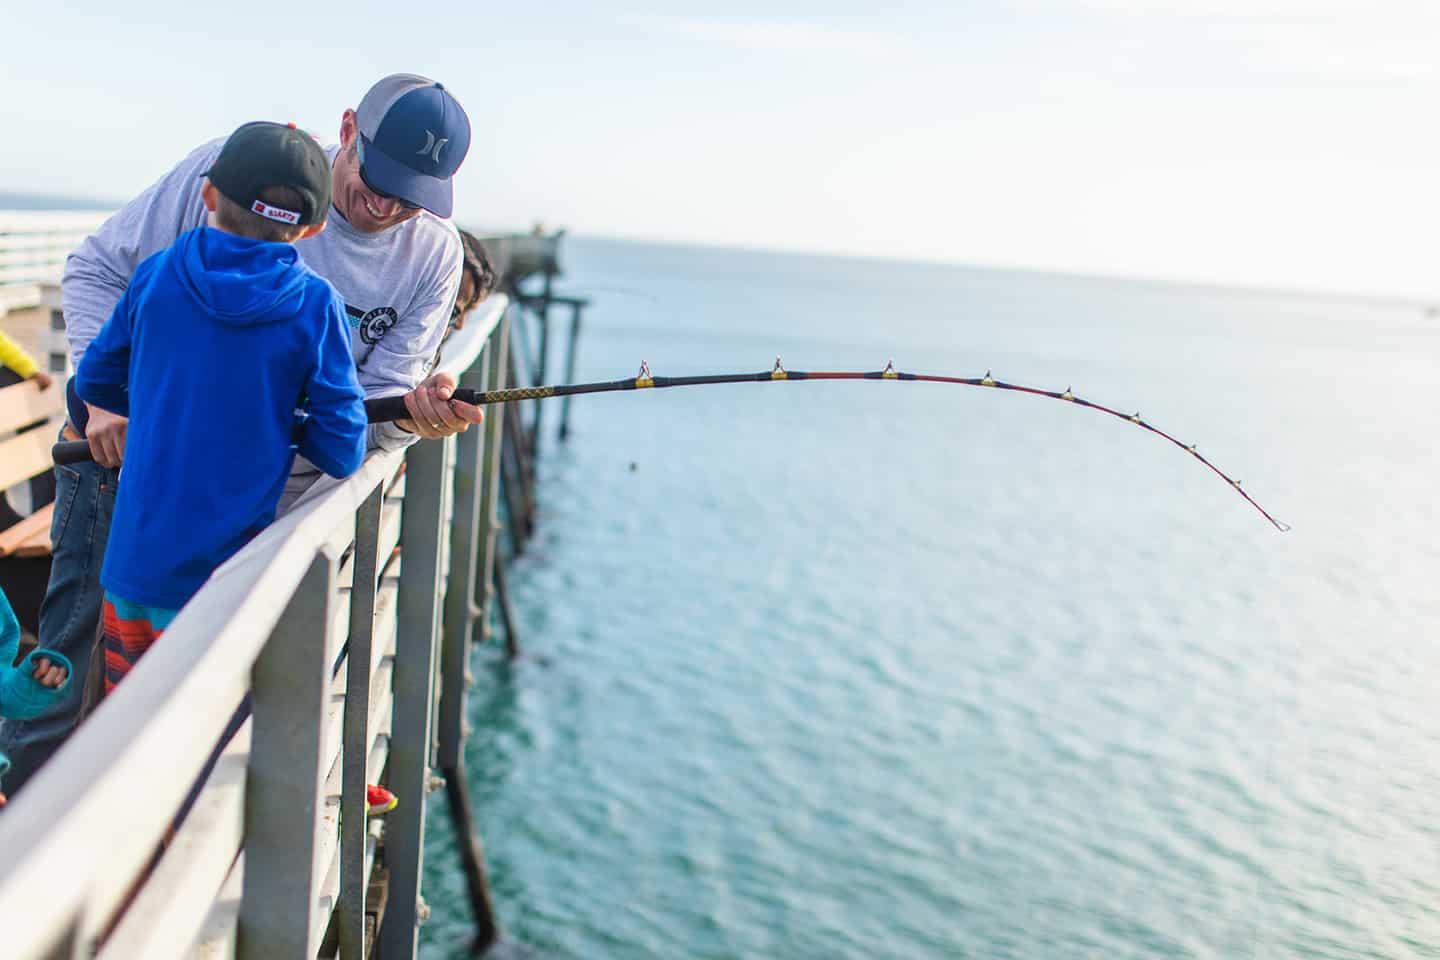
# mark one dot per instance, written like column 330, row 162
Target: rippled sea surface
column 907, row 670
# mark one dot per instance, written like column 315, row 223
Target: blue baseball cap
column 413, row 137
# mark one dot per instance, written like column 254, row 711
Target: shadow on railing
column 347, row 623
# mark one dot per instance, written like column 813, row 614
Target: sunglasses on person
column 404, row 204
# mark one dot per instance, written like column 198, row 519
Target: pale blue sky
column 1276, row 142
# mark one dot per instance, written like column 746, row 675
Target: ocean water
column 887, row 670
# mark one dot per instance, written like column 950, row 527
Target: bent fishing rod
column 386, row 409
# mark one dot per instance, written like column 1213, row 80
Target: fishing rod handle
column 71, row 451
column 388, row 409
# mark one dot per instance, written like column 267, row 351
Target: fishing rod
column 385, row 409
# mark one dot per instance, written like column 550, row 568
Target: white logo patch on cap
column 274, row 213
column 430, row 142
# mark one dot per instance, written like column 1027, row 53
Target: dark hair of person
column 233, row 218
column 480, row 268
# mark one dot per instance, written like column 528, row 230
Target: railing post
column 470, row 557
column 467, row 531
column 469, row 534
column 496, row 364
column 541, row 365
column 425, row 526
column 364, row 566
column 290, row 684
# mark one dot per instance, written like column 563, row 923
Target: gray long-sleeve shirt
column 398, row 285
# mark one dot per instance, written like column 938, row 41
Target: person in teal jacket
column 33, row 685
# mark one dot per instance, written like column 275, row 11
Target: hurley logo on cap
column 430, row 142
column 274, row 213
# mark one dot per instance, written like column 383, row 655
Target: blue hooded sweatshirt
column 216, row 343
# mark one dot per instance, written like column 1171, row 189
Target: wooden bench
column 33, row 247
column 29, row 421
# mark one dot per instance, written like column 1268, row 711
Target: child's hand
column 49, row 674
column 42, row 378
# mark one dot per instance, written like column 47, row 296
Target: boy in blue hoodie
column 216, row 343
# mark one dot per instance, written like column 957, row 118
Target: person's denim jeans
column 70, row 615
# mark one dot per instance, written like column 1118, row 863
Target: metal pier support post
column 425, row 520
column 291, row 683
column 542, row 313
column 512, row 509
column 521, row 349
column 507, row 611
column 520, row 493
column 472, row 860
column 519, row 484
column 575, row 307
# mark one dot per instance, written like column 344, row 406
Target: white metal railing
column 33, row 248
column 337, row 639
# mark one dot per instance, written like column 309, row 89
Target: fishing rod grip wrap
column 71, row 451
column 386, row 409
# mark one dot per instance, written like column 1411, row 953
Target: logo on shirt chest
column 373, row 324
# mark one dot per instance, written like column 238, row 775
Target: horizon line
column 1351, row 294
column 69, row 203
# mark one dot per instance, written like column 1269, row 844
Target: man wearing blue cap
column 389, row 250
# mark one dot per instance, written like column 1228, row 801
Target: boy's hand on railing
column 106, row 433
column 433, row 414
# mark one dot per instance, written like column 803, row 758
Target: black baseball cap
column 263, row 154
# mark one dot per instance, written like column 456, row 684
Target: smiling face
column 362, row 208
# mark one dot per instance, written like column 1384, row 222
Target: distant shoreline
column 42, row 201
column 1097, row 276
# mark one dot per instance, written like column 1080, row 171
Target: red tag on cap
column 275, row 213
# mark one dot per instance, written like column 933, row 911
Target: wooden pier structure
column 347, row 626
